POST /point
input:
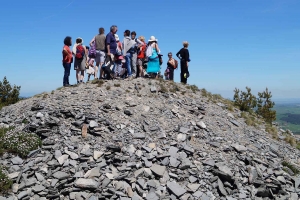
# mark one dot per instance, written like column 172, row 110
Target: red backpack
column 80, row 52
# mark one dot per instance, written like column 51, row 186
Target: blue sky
column 233, row 43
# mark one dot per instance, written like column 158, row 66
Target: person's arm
column 187, row 57
column 178, row 53
column 93, row 40
column 157, row 49
column 74, row 49
column 139, row 41
column 107, row 41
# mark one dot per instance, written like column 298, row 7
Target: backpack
column 149, row 51
column 92, row 51
column 176, row 64
column 79, row 52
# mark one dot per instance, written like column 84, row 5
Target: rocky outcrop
column 143, row 144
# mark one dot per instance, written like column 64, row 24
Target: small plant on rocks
column 117, row 85
column 5, row 182
column 108, row 87
column 291, row 167
column 18, row 143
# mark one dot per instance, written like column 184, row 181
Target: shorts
column 140, row 62
column 100, row 56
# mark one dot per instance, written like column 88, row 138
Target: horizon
column 233, row 44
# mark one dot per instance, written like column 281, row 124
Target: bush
column 272, row 130
column 8, row 94
column 264, row 106
column 5, row 182
column 117, row 85
column 108, row 87
column 291, row 167
column 18, row 143
column 244, row 100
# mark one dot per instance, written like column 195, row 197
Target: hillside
column 288, row 116
column 144, row 139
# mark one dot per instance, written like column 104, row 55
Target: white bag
column 149, row 51
column 90, row 70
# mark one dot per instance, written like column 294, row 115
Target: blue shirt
column 111, row 40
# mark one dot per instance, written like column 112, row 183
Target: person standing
column 153, row 59
column 100, row 51
column 128, row 44
column 184, row 56
column 67, row 60
column 79, row 51
column 171, row 65
column 141, row 56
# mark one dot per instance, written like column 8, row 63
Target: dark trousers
column 67, row 67
column 171, row 73
column 183, row 70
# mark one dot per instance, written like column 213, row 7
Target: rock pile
column 114, row 142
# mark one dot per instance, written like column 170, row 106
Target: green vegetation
column 244, row 100
column 264, row 106
column 194, row 88
column 117, row 85
column 8, row 94
column 272, row 130
column 98, row 82
column 287, row 117
column 294, row 169
column 5, row 182
column 17, row 143
column 108, row 87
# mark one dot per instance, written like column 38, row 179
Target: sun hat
column 117, row 37
column 152, row 38
column 81, row 39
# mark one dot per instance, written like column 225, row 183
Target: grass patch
column 174, row 88
column 291, row 167
column 291, row 140
column 163, row 89
column 251, row 120
column 25, row 121
column 45, row 96
column 52, row 92
column 127, row 91
column 18, row 143
column 183, row 92
column 149, row 83
column 60, row 88
column 229, row 104
column 98, row 82
column 117, row 85
column 194, row 88
column 272, row 130
column 5, row 182
column 108, row 87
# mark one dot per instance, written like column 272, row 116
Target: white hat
column 81, row 39
column 152, row 38
column 117, row 37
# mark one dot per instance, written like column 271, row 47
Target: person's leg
column 128, row 65
column 102, row 58
column 67, row 68
column 133, row 64
column 81, row 75
column 97, row 59
column 171, row 74
column 77, row 75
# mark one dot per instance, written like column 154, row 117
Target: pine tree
column 8, row 94
column 264, row 106
column 244, row 100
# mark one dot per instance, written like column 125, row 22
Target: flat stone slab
column 176, row 189
column 86, row 183
column 158, row 170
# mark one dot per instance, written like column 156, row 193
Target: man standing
column 128, row 44
column 134, row 55
column 100, row 50
column 111, row 43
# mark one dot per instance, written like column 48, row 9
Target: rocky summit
column 144, row 139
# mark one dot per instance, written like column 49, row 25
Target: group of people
column 132, row 58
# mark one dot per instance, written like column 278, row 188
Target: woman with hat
column 79, row 51
column 153, row 59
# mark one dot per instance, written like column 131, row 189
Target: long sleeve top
column 183, row 54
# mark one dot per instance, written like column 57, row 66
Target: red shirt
column 67, row 57
column 142, row 52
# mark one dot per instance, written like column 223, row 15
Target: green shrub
column 5, row 182
column 8, row 94
column 272, row 130
column 244, row 100
column 264, row 106
column 108, row 87
column 291, row 167
column 18, row 143
column 117, row 85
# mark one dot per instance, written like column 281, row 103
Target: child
column 90, row 65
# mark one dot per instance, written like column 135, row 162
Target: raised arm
column 93, row 40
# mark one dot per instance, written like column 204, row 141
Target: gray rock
column 201, row 124
column 176, row 189
column 239, row 148
column 86, row 183
column 221, row 188
column 158, row 170
column 17, row 160
column 38, row 188
column 93, row 124
column 60, row 175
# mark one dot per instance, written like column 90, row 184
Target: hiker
column 128, row 44
column 118, row 70
column 99, row 41
column 141, row 56
column 171, row 65
column 67, row 60
column 184, row 56
column 134, row 55
column 152, row 54
column 90, row 68
column 79, row 53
